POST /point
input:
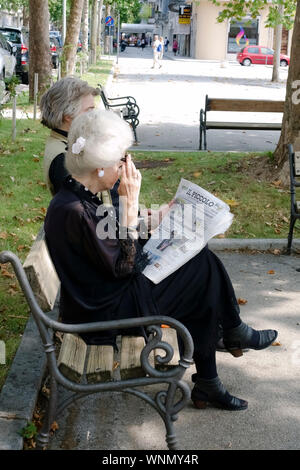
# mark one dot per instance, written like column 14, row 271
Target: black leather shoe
column 213, row 392
column 243, row 336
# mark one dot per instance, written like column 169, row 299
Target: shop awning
column 137, row 28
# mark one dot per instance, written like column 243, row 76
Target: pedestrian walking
column 157, row 47
column 161, row 53
column 175, row 46
column 166, row 44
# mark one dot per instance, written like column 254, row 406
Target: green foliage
column 129, row 10
column 238, row 9
column 29, row 431
column 11, row 85
column 12, row 4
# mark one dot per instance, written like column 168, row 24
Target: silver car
column 7, row 58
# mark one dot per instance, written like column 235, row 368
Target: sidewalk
column 170, row 99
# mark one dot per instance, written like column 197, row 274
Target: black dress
column 102, row 279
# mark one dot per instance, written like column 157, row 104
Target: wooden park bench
column 294, row 160
column 126, row 105
column 85, row 370
column 237, row 105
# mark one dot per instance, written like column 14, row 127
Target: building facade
column 202, row 37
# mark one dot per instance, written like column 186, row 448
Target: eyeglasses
column 124, row 159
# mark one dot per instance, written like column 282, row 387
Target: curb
column 260, row 244
column 20, row 391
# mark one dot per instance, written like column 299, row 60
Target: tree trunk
column 72, row 35
column 85, row 27
column 94, row 23
column 107, row 38
column 39, row 46
column 99, row 28
column 25, row 16
column 290, row 132
column 276, row 57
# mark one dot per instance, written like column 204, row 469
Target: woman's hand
column 129, row 190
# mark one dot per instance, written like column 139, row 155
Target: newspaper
column 193, row 219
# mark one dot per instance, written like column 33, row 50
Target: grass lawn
column 260, row 205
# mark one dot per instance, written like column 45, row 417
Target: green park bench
column 237, row 105
column 87, row 369
column 294, row 161
column 126, row 105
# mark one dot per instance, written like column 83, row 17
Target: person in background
column 166, row 44
column 161, row 53
column 175, row 46
column 156, row 46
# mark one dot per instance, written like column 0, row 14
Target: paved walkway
column 170, row 99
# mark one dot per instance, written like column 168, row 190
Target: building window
column 241, row 34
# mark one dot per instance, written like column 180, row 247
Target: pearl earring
column 101, row 173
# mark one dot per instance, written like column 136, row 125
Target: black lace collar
column 61, row 132
column 81, row 191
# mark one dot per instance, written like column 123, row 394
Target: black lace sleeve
column 131, row 258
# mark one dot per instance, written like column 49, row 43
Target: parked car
column 56, row 34
column 16, row 37
column 260, row 55
column 7, row 58
column 55, row 50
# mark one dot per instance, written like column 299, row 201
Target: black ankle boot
column 243, row 337
column 213, row 391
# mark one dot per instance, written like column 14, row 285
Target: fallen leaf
column 5, row 273
column 276, row 343
column 242, row 301
column 197, row 174
column 159, row 177
column 271, row 271
column 3, row 235
column 54, row 426
column 232, row 202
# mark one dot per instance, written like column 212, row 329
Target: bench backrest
column 41, row 273
column 244, row 105
column 103, row 97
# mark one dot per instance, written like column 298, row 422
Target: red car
column 259, row 55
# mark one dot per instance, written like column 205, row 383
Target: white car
column 7, row 58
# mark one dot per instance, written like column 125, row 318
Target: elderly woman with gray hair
column 99, row 258
column 66, row 99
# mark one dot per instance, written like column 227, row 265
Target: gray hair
column 106, row 137
column 64, row 99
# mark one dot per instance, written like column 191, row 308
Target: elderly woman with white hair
column 100, row 269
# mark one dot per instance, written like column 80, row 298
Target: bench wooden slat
column 244, row 105
column 130, row 362
column 243, row 125
column 41, row 273
column 169, row 336
column 100, row 364
column 71, row 358
column 297, row 163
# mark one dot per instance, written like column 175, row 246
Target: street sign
column 184, row 14
column 109, row 21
